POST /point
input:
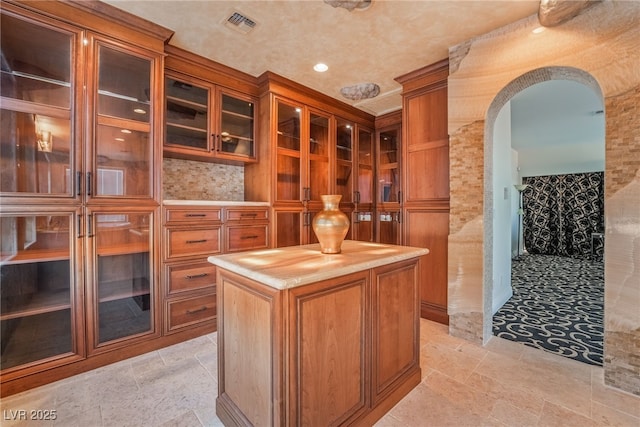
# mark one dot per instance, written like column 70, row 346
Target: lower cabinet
column 342, row 351
column 191, row 234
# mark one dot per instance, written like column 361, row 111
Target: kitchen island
column 306, row 338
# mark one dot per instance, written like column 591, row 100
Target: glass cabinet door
column 389, row 170
column 37, row 287
column 236, row 126
column 288, row 153
column 318, row 180
column 364, row 186
column 36, row 136
column 389, row 227
column 187, row 115
column 344, row 160
column 122, row 273
column 122, row 146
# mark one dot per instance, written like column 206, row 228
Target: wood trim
column 434, row 312
column 425, row 76
column 182, row 61
column 388, row 120
column 274, row 83
column 100, row 17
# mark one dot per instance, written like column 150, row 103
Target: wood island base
column 341, row 350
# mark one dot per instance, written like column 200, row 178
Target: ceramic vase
column 330, row 225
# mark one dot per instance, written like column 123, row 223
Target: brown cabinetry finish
column 336, row 352
column 189, row 311
column 425, row 204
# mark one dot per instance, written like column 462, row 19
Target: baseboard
column 434, row 312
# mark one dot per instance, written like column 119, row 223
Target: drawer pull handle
column 203, row 308
column 197, row 241
column 249, row 237
column 252, row 215
column 192, row 215
column 196, row 276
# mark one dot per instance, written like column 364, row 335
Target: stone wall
column 190, row 180
column 599, row 48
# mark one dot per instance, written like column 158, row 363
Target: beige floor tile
column 615, row 399
column 188, row 419
column 476, row 400
column 558, row 416
column 566, row 390
column 452, row 361
column 516, row 395
column 607, row 416
column 509, row 414
column 505, row 347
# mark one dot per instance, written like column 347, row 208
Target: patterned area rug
column 557, row 306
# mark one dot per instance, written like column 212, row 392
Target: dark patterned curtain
column 561, row 212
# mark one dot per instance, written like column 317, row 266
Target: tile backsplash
column 192, row 180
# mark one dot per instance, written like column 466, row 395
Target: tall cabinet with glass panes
column 79, row 189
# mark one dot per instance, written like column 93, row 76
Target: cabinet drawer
column 185, row 312
column 189, row 277
column 243, row 238
column 193, row 241
column 246, row 215
column 193, row 215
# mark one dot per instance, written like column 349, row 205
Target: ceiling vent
column 240, row 22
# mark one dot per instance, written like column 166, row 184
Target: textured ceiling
column 375, row 45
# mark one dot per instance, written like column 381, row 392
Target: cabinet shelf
column 125, row 249
column 34, row 255
column 187, row 128
column 41, row 302
column 186, row 103
column 43, row 79
column 237, row 115
column 117, row 290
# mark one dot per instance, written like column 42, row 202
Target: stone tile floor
column 501, row 384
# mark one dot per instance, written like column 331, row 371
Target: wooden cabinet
column 389, row 178
column 340, row 351
column 309, row 148
column 192, row 233
column 425, row 178
column 246, row 228
column 204, row 120
column 79, row 188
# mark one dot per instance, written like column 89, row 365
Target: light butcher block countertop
column 292, row 266
column 212, row 203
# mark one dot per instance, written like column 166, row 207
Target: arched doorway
column 497, row 268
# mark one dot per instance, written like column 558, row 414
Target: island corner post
column 306, row 338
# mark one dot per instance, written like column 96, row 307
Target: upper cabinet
column 39, row 82
column 205, row 120
column 309, row 147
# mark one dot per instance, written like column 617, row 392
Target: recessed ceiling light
column 320, row 67
column 537, row 30
column 125, row 131
column 120, row 139
column 139, row 111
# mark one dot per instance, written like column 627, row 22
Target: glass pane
column 319, row 136
column 35, row 288
column 123, row 274
column 288, row 229
column 365, row 167
column 319, row 181
column 36, row 63
column 288, row 127
column 318, row 155
column 187, row 115
column 35, row 154
column 288, row 187
column 343, row 181
column 388, row 227
column 344, row 140
column 123, row 85
column 236, row 126
column 364, row 226
column 123, row 162
column 388, row 175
